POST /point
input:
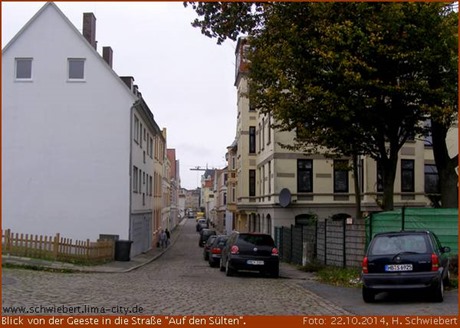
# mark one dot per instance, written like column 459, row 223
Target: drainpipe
column 130, row 169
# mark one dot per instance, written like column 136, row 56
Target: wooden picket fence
column 57, row 248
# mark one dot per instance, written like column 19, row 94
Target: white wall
column 65, row 145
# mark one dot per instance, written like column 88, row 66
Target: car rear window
column 398, row 243
column 257, row 240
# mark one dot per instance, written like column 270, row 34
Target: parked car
column 207, row 246
column 405, row 260
column 250, row 252
column 201, row 224
column 204, row 235
column 215, row 250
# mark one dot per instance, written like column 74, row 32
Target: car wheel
column 221, row 265
column 447, row 278
column 228, row 270
column 275, row 273
column 438, row 294
column 368, row 295
column 212, row 264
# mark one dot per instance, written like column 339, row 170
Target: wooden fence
column 57, row 248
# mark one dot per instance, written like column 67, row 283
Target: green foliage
column 351, row 77
column 336, row 276
column 35, row 268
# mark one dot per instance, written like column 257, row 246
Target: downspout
column 130, row 170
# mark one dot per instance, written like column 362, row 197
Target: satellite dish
column 285, row 197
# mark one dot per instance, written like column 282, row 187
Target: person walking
column 163, row 239
column 168, row 236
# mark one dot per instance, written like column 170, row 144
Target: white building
column 77, row 146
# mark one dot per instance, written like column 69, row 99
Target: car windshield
column 398, row 244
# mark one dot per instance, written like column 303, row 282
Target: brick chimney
column 107, row 54
column 129, row 81
column 89, row 28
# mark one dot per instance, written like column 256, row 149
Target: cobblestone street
column 179, row 282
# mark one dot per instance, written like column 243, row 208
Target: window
column 139, row 186
column 340, row 176
column 136, row 128
column 304, row 175
column 252, row 183
column 269, row 178
column 76, row 68
column 140, row 135
column 252, row 139
column 428, row 141
column 150, row 186
column 379, row 177
column 260, row 137
column 263, row 133
column 23, row 68
column 407, row 175
column 135, row 174
column 151, row 147
column 269, row 128
column 431, row 179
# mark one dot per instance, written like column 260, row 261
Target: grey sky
column 186, row 78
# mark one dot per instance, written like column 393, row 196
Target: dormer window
column 23, row 68
column 76, row 68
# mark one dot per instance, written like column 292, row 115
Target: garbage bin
column 123, row 250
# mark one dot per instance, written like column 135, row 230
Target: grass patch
column 35, row 268
column 345, row 277
column 453, row 283
column 336, row 276
column 350, row 277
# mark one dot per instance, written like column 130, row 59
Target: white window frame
column 16, row 62
column 73, row 60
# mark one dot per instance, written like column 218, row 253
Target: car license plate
column 255, row 262
column 398, row 267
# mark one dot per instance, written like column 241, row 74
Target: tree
column 351, row 77
column 442, row 65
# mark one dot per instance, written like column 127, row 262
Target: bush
column 336, row 276
column 453, row 266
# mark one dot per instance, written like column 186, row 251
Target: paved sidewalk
column 110, row 267
column 286, row 270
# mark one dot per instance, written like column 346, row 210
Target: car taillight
column 234, row 249
column 434, row 262
column 216, row 250
column 275, row 251
column 364, row 265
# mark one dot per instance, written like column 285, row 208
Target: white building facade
column 68, row 129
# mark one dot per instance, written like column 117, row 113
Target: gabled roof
column 52, row 5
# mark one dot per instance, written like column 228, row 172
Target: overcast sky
column 186, row 79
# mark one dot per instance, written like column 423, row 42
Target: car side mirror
column 445, row 249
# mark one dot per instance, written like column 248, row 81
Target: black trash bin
column 123, row 250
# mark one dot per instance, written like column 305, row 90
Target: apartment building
column 218, row 213
column 271, row 186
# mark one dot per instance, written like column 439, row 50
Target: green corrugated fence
column 442, row 221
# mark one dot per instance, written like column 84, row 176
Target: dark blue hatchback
column 405, row 260
column 254, row 252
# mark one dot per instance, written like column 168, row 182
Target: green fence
column 442, row 221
